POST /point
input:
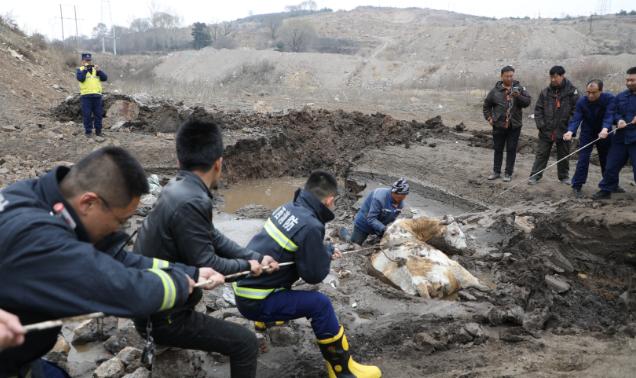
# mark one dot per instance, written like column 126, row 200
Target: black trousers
column 505, row 139
column 189, row 329
column 544, row 146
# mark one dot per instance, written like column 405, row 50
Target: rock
column 122, row 111
column 628, row 299
column 282, row 336
column 117, row 125
column 427, row 343
column 556, row 258
column 59, row 353
column 139, row 373
column 262, row 107
column 460, row 127
column 331, row 280
column 155, row 185
column 112, row 368
column 535, row 320
column 94, row 330
column 525, row 224
column 125, row 336
column 557, row 284
column 432, row 145
column 179, row 363
column 131, row 357
column 262, row 343
column 461, row 336
column 514, row 316
column 354, row 186
column 475, row 330
column 228, row 295
column 512, row 335
column 9, row 128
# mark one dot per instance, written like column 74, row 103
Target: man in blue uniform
column 295, row 233
column 623, row 144
column 60, row 254
column 593, row 113
column 90, row 79
column 380, row 208
column 180, row 229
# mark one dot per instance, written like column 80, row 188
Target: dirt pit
column 561, row 272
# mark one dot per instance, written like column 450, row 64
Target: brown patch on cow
column 424, row 229
column 418, row 266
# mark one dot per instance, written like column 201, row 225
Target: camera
column 89, row 67
column 516, row 90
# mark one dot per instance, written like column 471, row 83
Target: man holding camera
column 90, row 78
column 503, row 109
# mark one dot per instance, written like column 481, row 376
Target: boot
column 335, row 350
column 263, row 326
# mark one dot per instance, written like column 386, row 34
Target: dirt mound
column 139, row 112
column 271, row 145
column 560, row 267
column 304, row 140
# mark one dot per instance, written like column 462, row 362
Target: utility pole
column 62, row 22
column 102, row 19
column 112, row 26
column 62, row 18
column 76, row 29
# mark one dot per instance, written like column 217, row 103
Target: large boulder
column 112, row 368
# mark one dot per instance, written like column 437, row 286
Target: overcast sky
column 43, row 16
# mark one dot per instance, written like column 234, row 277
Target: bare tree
column 215, row 32
column 308, row 5
column 273, row 24
column 297, row 35
column 227, row 28
column 100, row 31
column 164, row 20
column 140, row 25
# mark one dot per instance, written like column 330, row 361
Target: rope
column 552, row 165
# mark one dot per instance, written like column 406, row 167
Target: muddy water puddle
column 269, row 193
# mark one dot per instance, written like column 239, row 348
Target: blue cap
column 87, row 56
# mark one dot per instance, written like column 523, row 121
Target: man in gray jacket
column 552, row 113
column 503, row 109
column 180, row 229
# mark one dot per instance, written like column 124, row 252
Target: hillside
column 33, row 77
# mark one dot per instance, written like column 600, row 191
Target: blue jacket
column 593, row 116
column 50, row 271
column 294, row 232
column 377, row 212
column 625, row 109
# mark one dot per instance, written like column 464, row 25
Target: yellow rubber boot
column 263, row 326
column 335, row 350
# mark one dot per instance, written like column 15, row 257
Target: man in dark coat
column 553, row 111
column 503, row 109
